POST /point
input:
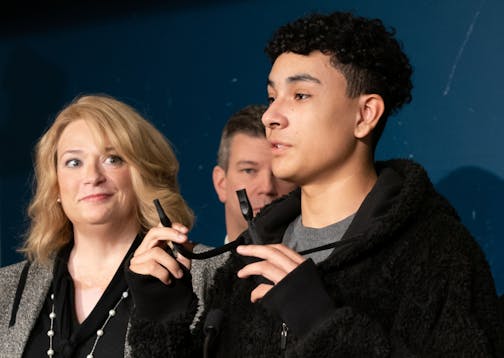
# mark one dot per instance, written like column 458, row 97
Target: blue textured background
column 188, row 65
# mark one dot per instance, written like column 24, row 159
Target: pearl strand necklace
column 99, row 333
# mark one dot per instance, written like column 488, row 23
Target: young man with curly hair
column 366, row 259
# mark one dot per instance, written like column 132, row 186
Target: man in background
column 244, row 161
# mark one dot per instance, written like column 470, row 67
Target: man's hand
column 278, row 261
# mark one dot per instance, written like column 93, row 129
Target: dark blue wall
column 188, row 67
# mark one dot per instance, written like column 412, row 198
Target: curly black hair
column 366, row 53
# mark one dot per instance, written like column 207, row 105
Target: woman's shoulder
column 12, row 270
column 9, row 277
column 11, row 274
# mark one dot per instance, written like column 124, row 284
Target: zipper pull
column 283, row 336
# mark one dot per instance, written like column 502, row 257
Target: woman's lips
column 96, row 197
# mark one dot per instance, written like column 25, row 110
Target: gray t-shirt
column 299, row 237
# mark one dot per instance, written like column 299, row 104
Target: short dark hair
column 248, row 121
column 363, row 50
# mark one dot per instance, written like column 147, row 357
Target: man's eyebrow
column 246, row 162
column 302, row 77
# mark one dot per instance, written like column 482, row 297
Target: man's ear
column 220, row 182
column 371, row 107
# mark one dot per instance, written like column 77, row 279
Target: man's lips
column 260, row 204
column 279, row 146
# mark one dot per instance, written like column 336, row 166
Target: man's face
column 310, row 121
column 250, row 168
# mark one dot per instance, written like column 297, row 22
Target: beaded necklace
column 99, row 332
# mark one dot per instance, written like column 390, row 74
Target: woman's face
column 95, row 186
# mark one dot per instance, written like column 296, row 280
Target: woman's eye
column 114, row 160
column 72, row 163
column 271, row 100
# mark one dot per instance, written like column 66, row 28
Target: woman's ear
column 371, row 107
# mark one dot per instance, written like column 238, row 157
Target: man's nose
column 274, row 116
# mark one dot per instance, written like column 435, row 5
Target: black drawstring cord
column 166, row 222
column 248, row 214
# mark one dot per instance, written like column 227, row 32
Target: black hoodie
column 407, row 280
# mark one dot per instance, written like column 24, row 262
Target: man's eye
column 114, row 160
column 73, row 163
column 302, row 96
column 248, row 170
column 271, row 100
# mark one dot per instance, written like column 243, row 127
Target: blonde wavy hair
column 152, row 162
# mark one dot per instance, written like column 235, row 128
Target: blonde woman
column 97, row 170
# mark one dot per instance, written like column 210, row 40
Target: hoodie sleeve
column 161, row 317
column 323, row 327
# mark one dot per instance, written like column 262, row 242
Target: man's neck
column 326, row 203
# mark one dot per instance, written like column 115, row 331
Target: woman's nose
column 94, row 173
